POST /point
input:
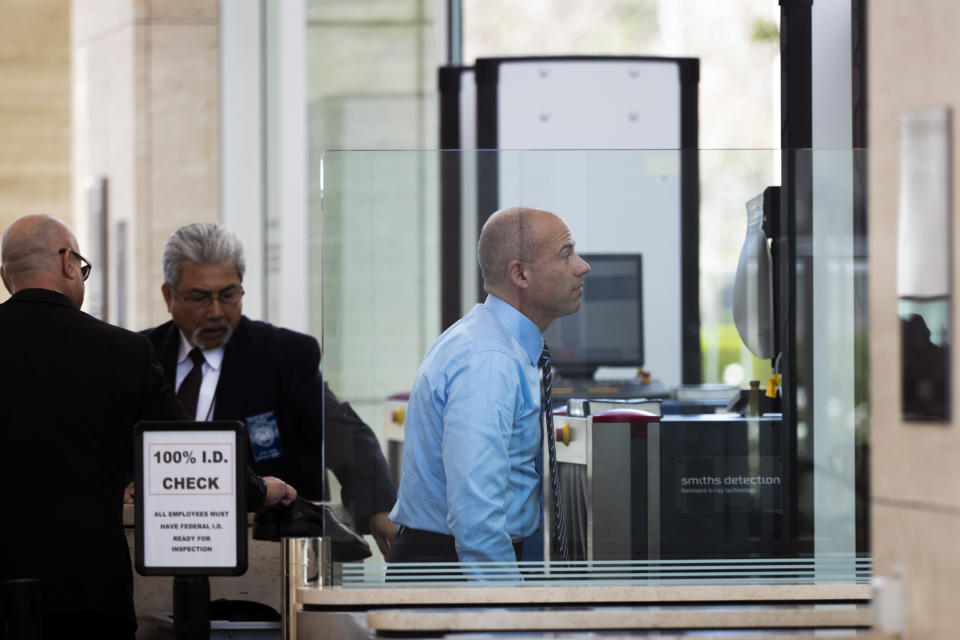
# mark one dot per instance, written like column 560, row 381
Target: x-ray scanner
column 636, row 485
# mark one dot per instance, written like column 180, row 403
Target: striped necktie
column 558, row 537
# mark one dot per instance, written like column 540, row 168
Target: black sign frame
column 240, row 483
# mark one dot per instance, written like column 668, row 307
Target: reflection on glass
column 923, row 269
column 925, row 342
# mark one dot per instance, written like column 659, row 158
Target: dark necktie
column 189, row 391
column 558, row 536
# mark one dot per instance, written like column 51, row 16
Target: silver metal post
column 306, row 562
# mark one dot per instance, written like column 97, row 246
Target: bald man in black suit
column 72, row 388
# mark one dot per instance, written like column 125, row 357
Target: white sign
column 189, row 498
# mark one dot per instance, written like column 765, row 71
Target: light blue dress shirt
column 472, row 435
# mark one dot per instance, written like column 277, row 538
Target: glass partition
column 663, row 479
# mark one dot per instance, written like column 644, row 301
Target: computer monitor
column 608, row 328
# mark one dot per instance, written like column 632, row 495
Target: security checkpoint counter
column 613, row 467
column 322, row 613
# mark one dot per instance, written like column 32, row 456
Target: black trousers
column 417, row 545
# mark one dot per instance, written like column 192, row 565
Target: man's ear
column 67, row 265
column 3, row 277
column 517, row 273
column 167, row 295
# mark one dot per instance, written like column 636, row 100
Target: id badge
column 264, row 436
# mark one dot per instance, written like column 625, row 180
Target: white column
column 290, row 120
column 242, row 139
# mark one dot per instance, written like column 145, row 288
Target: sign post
column 190, row 484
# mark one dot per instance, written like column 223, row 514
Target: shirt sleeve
column 353, row 453
column 478, row 423
column 351, row 449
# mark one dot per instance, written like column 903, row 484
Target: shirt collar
column 214, row 357
column 518, row 325
column 42, row 295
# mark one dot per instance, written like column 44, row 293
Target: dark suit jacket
column 266, row 368
column 71, row 389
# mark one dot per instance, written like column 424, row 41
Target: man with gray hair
column 72, row 388
column 228, row 367
column 469, row 489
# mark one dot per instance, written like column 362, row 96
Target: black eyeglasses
column 202, row 299
column 85, row 265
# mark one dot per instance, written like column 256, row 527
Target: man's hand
column 279, row 493
column 128, row 494
column 384, row 532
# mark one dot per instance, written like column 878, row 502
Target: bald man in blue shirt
column 470, row 490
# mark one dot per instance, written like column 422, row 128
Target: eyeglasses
column 203, row 299
column 85, row 265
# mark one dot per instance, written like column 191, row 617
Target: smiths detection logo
column 726, row 484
